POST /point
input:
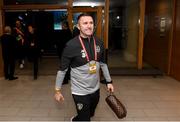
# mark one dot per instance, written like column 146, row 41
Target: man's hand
column 110, row 87
column 59, row 97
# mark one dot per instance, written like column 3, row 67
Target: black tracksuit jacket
column 82, row 82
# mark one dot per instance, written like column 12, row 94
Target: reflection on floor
column 146, row 99
column 116, row 58
column 47, row 66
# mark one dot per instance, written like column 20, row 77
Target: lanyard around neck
column 87, row 56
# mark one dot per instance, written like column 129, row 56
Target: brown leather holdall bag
column 116, row 105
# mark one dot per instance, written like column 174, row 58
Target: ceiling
column 64, row 2
column 113, row 3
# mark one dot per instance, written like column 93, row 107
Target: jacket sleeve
column 104, row 66
column 65, row 62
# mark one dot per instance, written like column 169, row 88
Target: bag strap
column 109, row 93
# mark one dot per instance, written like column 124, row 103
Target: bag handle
column 109, row 93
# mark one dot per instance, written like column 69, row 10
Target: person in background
column 18, row 32
column 75, row 31
column 8, row 43
column 67, row 35
column 33, row 50
column 85, row 56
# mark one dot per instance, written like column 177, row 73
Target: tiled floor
column 146, row 99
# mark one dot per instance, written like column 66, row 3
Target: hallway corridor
column 146, row 99
column 141, row 37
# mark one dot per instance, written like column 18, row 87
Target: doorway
column 123, row 35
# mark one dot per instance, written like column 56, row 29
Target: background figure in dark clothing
column 75, row 31
column 8, row 52
column 18, row 32
column 67, row 35
column 33, row 50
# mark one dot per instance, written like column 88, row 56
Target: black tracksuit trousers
column 86, row 105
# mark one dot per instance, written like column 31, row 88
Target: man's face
column 30, row 29
column 18, row 24
column 86, row 26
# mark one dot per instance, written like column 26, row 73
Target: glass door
column 123, row 35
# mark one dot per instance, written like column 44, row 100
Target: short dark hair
column 65, row 23
column 82, row 15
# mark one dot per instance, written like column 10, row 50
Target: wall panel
column 156, row 42
column 175, row 64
